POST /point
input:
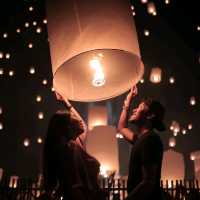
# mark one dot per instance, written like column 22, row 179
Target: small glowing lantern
column 1, row 126
column 7, row 55
column 189, row 126
column 146, row 32
column 30, row 45
column 144, row 1
column 45, row 21
column 97, row 116
column 192, row 101
column 38, row 98
column 11, row 73
column 44, row 82
column 192, row 156
column 1, row 110
column 1, row 55
column 172, row 142
column 39, row 140
column 1, row 71
column 156, row 75
column 32, row 70
column 34, row 23
column 151, row 8
column 18, row 30
column 5, row 35
column 13, row 181
column 80, row 74
column 26, row 142
column 40, row 115
column 26, row 24
column 38, row 30
column 30, row 8
column 167, row 1
column 171, row 80
column 184, row 131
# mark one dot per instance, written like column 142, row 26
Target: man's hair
column 158, row 110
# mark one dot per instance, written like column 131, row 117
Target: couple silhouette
column 71, row 173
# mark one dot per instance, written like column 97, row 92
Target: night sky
column 173, row 45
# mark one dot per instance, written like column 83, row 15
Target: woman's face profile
column 76, row 126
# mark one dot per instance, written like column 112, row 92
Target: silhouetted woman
column 68, row 168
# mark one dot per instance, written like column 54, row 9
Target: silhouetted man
column 147, row 151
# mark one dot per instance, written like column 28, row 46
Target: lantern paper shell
column 102, row 144
column 85, row 30
column 173, row 166
column 97, row 116
column 156, row 75
column 13, row 181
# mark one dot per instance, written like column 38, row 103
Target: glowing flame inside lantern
column 98, row 78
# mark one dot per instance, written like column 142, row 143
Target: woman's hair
column 58, row 127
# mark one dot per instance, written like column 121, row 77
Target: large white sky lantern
column 94, row 48
column 102, row 144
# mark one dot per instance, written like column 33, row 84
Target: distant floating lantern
column 13, row 181
column 146, row 32
column 39, row 140
column 30, row 45
column 45, row 21
column 172, row 142
column 1, row 71
column 38, row 98
column 85, row 28
column 144, row 1
column 184, row 131
column 167, row 1
column 156, row 75
column 38, row 30
column 7, row 56
column 26, row 24
column 192, row 101
column 44, row 82
column 172, row 80
column 31, row 8
column 26, row 142
column 97, row 116
column 192, row 157
column 189, row 126
column 18, row 30
column 34, row 23
column 40, row 115
column 1, row 126
column 142, row 80
column 151, row 8
column 11, row 73
column 1, row 55
column 32, row 70
column 5, row 35
column 1, row 110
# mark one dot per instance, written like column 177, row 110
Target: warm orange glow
column 26, row 142
column 192, row 101
column 40, row 115
column 98, row 77
column 1, row 126
column 151, row 9
column 172, row 142
column 156, row 75
column 97, row 116
column 13, row 181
